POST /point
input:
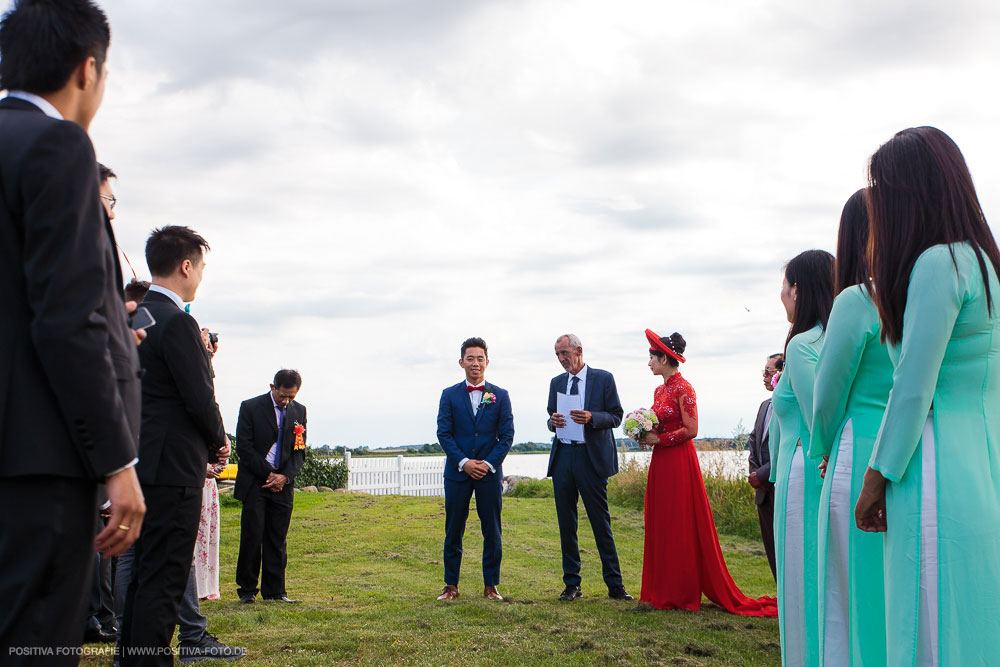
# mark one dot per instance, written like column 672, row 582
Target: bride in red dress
column 681, row 557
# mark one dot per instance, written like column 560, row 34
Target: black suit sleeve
column 291, row 468
column 245, row 444
column 65, row 274
column 752, row 444
column 612, row 414
column 764, row 473
column 552, row 405
column 184, row 355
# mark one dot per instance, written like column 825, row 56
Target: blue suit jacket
column 601, row 399
column 486, row 435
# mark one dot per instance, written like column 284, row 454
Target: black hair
column 675, row 342
column 105, row 173
column 475, row 342
column 167, row 247
column 136, row 290
column 812, row 273
column 287, row 378
column 43, row 41
column 851, row 265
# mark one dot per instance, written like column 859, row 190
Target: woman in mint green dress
column 853, row 379
column 933, row 483
column 807, row 294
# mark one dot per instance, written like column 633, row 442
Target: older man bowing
column 581, row 468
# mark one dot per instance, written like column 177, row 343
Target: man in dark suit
column 475, row 427
column 580, row 469
column 69, row 387
column 760, row 462
column 181, row 431
column 271, row 442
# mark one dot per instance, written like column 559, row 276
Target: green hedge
column 321, row 472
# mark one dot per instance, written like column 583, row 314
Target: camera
column 213, row 338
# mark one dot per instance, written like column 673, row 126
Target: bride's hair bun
column 675, row 342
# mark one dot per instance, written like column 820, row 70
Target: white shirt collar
column 469, row 384
column 582, row 374
column 168, row 293
column 38, row 101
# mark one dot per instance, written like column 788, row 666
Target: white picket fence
column 400, row 475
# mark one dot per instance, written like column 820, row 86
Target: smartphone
column 141, row 319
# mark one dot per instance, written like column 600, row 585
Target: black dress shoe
column 571, row 593
column 99, row 636
column 247, row 599
column 619, row 593
column 283, row 598
column 209, row 648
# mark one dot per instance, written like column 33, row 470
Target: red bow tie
column 471, row 389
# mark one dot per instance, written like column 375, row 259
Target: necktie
column 281, row 432
column 574, row 389
column 471, row 389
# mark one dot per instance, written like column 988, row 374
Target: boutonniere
column 299, row 431
column 489, row 398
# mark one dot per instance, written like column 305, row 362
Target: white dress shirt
column 476, row 397
column 273, row 452
column 38, row 101
column 173, row 296
column 581, row 387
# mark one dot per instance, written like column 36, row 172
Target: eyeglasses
column 111, row 199
column 769, row 372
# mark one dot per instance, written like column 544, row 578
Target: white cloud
column 379, row 180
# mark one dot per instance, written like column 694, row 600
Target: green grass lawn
column 368, row 570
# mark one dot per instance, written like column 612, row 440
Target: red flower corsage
column 300, row 441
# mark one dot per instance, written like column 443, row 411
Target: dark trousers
column 46, row 547
column 573, row 477
column 101, row 615
column 263, row 531
column 191, row 623
column 765, row 513
column 163, row 555
column 457, row 495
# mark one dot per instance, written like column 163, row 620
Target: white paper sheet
column 565, row 403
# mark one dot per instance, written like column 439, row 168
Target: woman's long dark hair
column 811, row 272
column 851, row 267
column 920, row 195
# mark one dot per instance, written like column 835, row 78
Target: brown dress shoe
column 490, row 593
column 449, row 593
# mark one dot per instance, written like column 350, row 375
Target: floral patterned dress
column 681, row 557
column 206, row 548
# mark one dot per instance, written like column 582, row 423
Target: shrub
column 731, row 500
column 532, row 488
column 321, row 472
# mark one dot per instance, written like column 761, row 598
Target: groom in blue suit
column 580, row 469
column 475, row 427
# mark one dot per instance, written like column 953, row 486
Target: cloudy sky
column 380, row 179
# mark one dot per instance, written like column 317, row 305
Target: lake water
column 725, row 463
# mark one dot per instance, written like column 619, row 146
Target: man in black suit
column 181, row 431
column 270, row 440
column 580, row 469
column 69, row 387
column 760, row 462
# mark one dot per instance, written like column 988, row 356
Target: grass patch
column 368, row 569
column 533, row 488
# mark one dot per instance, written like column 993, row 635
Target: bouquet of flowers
column 639, row 422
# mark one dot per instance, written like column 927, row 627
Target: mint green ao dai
column 853, row 379
column 796, row 501
column 939, row 447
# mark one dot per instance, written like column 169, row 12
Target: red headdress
column 656, row 345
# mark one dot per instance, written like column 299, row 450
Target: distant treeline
column 737, row 442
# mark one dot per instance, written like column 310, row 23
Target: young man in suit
column 271, row 442
column 69, row 386
column 760, row 463
column 475, row 427
column 182, row 431
column 582, row 468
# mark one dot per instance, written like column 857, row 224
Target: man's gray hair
column 574, row 340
